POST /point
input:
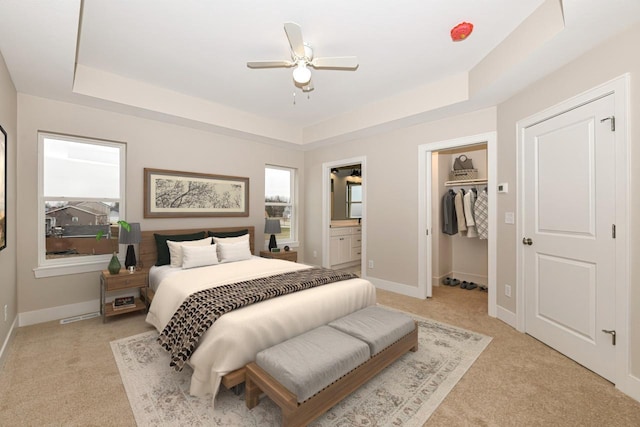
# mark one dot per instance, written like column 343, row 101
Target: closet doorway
column 439, row 254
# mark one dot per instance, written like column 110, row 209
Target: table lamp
column 272, row 226
column 130, row 238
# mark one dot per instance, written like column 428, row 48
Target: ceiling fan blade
column 270, row 64
column 294, row 34
column 349, row 62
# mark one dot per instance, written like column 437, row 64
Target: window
column 81, row 192
column 279, row 200
column 354, row 199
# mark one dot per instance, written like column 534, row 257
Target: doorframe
column 619, row 88
column 425, row 250
column 326, row 207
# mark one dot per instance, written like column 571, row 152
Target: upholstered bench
column 308, row 374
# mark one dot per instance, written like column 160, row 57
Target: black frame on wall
column 3, row 189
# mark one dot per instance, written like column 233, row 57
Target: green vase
column 114, row 265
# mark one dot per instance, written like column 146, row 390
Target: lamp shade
column 272, row 226
column 131, row 237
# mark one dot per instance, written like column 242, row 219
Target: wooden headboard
column 149, row 254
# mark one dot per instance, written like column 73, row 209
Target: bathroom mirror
column 346, row 192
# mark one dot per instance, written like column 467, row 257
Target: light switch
column 509, row 218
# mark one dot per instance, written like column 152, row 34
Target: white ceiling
column 185, row 61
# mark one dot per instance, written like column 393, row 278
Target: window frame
column 293, row 185
column 350, row 202
column 73, row 265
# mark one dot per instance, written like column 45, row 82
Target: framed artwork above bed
column 174, row 194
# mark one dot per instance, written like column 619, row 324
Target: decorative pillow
column 223, row 240
column 163, row 249
column 233, row 249
column 199, row 256
column 228, row 233
column 175, row 249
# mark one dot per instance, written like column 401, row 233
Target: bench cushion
column 376, row 326
column 309, row 362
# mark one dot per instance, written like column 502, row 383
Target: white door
column 569, row 215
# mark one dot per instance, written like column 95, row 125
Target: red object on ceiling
column 461, row 31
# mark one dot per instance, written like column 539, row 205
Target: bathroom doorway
column 344, row 214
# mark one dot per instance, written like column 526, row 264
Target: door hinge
column 427, row 231
column 613, row 122
column 613, row 231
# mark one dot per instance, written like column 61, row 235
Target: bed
column 235, row 338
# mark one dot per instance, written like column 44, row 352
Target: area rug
column 404, row 394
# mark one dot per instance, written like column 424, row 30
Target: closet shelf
column 464, row 182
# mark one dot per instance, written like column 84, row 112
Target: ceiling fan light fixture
column 301, row 74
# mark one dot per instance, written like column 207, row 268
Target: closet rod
column 465, row 182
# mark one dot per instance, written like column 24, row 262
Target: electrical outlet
column 5, row 312
column 507, row 290
column 370, row 263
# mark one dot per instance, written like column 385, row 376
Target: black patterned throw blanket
column 201, row 309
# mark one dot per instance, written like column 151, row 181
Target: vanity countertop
column 348, row 223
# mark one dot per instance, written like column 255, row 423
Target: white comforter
column 236, row 338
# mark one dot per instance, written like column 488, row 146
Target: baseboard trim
column 7, row 342
column 508, row 317
column 57, row 313
column 398, row 288
column 470, row 277
column 630, row 387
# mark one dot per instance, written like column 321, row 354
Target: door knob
column 527, row 241
column 613, row 335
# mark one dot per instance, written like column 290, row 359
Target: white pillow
column 233, row 251
column 175, row 249
column 243, row 238
column 199, row 256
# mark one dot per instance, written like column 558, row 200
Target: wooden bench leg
column 252, row 393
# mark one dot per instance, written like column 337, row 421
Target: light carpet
column 404, row 394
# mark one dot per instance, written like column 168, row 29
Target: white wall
column 150, row 144
column 8, row 282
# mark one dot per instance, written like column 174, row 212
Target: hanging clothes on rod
column 481, row 215
column 469, row 201
column 459, row 203
column 449, row 219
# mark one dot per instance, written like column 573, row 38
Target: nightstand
column 125, row 280
column 286, row 255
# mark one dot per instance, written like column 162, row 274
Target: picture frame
column 3, row 189
column 177, row 194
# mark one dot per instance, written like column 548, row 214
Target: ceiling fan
column 302, row 58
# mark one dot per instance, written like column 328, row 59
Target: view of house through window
column 279, row 190
column 82, row 195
